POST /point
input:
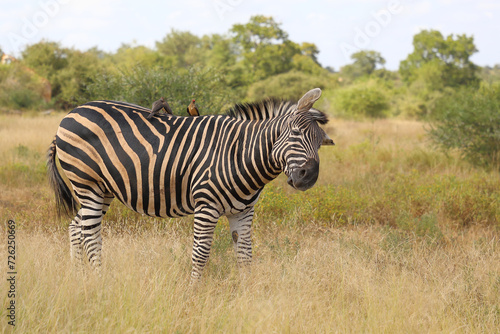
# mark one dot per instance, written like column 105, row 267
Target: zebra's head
column 297, row 146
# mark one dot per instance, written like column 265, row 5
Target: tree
column 183, row 47
column 46, row 58
column 307, row 61
column 470, row 122
column 491, row 74
column 222, row 51
column 67, row 70
column 310, row 50
column 365, row 63
column 449, row 58
column 21, row 87
column 129, row 55
column 73, row 79
column 264, row 47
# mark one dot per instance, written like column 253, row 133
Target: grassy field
column 395, row 237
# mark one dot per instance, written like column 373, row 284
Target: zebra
column 173, row 166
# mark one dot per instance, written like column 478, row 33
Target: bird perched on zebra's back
column 158, row 105
column 192, row 109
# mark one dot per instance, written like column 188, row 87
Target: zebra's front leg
column 241, row 231
column 205, row 220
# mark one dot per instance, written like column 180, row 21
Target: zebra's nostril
column 302, row 173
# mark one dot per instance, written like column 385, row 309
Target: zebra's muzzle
column 304, row 177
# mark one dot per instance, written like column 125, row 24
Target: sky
column 337, row 27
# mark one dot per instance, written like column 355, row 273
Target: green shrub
column 23, row 98
column 423, row 226
column 20, row 88
column 291, row 85
column 470, row 122
column 144, row 85
column 362, row 99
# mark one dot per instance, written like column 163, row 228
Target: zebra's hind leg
column 241, row 231
column 108, row 198
column 92, row 213
column 75, row 240
column 91, row 234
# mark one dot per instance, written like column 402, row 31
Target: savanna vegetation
column 400, row 233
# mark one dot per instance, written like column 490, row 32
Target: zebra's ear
column 306, row 102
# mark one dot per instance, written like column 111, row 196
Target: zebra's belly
column 157, row 200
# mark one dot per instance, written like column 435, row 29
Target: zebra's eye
column 296, row 132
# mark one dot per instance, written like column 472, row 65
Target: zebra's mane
column 265, row 109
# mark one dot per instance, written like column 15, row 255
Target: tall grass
column 351, row 280
column 395, row 237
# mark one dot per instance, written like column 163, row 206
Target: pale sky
column 337, row 27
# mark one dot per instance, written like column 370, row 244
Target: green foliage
column 306, row 64
column 128, row 56
column 446, row 61
column 260, row 31
column 141, row 85
column 307, row 60
column 73, row 79
column 365, row 63
column 470, row 122
column 67, row 70
column 310, row 50
column 490, row 74
column 183, row 48
column 265, row 47
column 25, row 99
column 362, row 99
column 20, row 88
column 290, row 85
column 423, row 226
column 46, row 58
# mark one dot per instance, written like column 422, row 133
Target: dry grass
column 33, row 132
column 398, row 262
column 381, row 147
column 348, row 280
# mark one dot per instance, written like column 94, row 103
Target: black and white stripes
column 170, row 166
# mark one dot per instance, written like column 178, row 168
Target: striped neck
column 258, row 148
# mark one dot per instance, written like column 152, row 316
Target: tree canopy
column 448, row 57
column 264, row 47
column 365, row 63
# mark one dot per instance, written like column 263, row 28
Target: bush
column 362, row 99
column 143, row 86
column 291, row 85
column 20, row 88
column 470, row 122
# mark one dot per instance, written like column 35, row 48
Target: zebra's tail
column 65, row 202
